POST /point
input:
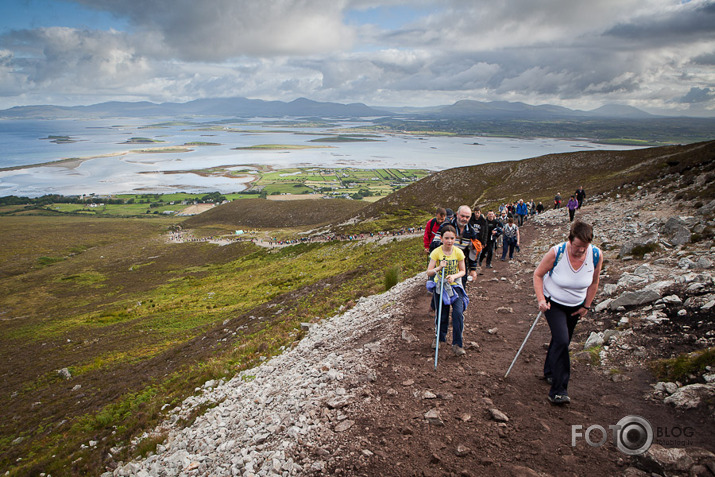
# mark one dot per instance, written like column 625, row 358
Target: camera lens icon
column 634, row 435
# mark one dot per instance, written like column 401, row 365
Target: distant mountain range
column 302, row 107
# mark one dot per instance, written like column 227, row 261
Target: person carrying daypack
column 565, row 284
column 431, row 229
column 447, row 262
column 511, row 239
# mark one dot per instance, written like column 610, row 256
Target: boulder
column 703, row 263
column 498, row 416
column 672, row 300
column 643, row 240
column 690, row 397
column 707, row 209
column 665, row 461
column 603, row 305
column 633, row 298
column 643, row 271
column 594, row 339
column 609, row 335
column 676, row 231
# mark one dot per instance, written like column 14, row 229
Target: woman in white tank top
column 565, row 283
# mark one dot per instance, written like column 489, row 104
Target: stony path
column 266, row 413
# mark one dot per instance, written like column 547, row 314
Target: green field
column 358, row 184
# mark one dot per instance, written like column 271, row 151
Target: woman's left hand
column 581, row 312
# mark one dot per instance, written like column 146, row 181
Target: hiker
column 479, row 223
column 465, row 234
column 580, row 196
column 522, row 211
column 503, row 219
column 565, row 283
column 450, row 258
column 540, row 208
column 572, row 205
column 557, row 201
column 432, row 227
column 511, row 239
column 493, row 231
column 532, row 207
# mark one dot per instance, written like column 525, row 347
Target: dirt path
column 392, row 436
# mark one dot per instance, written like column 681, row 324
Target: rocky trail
column 360, row 394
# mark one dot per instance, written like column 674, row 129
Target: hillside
column 540, row 178
column 114, row 340
column 359, row 395
column 263, row 213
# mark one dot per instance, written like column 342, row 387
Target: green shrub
column 393, row 276
column 682, row 367
column 45, row 261
column 640, row 250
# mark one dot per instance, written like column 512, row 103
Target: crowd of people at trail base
column 565, row 282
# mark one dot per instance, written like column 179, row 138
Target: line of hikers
column 564, row 288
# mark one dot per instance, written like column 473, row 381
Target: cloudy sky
column 657, row 55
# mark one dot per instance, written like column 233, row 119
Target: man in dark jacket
column 494, row 230
column 465, row 234
column 580, row 196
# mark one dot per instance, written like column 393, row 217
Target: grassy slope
column 259, row 213
column 140, row 323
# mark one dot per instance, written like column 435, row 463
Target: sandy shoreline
column 74, row 162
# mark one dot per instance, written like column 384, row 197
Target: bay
column 107, row 164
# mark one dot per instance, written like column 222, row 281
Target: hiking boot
column 560, row 399
column 458, row 350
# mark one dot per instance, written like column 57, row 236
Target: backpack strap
column 559, row 253
column 596, row 256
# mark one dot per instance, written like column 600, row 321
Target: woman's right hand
column 544, row 305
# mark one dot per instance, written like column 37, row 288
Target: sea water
column 110, row 165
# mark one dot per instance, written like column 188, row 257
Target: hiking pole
column 522, row 344
column 439, row 321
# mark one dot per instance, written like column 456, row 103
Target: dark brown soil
column 392, row 437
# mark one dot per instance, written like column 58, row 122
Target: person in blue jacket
column 522, row 211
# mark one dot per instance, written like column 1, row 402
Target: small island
column 276, row 147
column 341, row 138
column 141, row 140
column 60, row 139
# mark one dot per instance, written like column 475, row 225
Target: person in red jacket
column 431, row 228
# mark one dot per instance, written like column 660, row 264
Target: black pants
column 487, row 252
column 558, row 363
column 572, row 213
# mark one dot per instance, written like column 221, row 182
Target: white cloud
column 219, row 30
column 648, row 53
